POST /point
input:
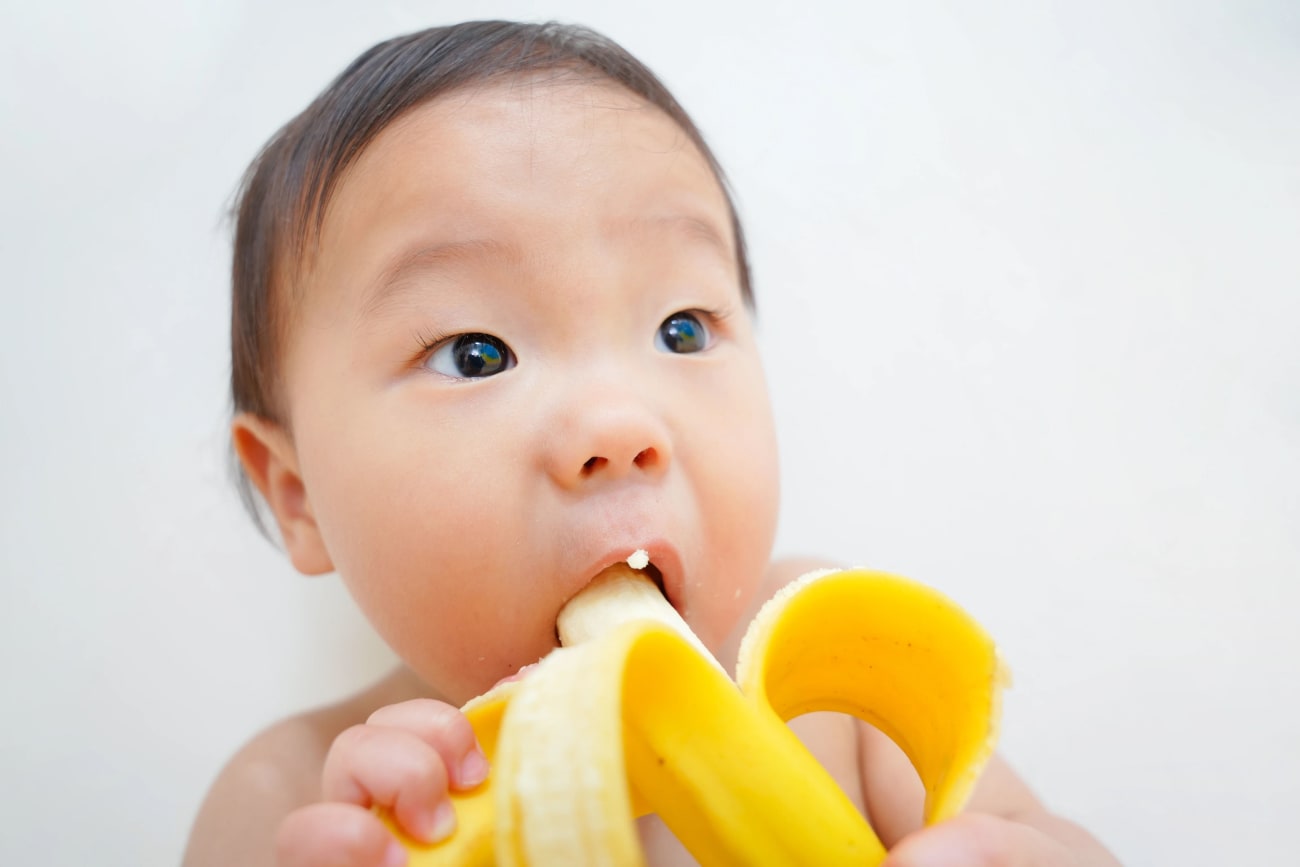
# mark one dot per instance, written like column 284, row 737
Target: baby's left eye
column 682, row 332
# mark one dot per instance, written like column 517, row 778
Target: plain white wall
column 1030, row 300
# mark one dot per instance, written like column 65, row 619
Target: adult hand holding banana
column 632, row 715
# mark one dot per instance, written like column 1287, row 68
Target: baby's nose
column 609, row 438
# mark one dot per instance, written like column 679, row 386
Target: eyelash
column 714, row 318
column 713, row 315
column 428, row 341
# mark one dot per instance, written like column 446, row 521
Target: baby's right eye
column 471, row 356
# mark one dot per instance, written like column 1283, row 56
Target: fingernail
column 473, row 769
column 443, row 824
column 395, row 855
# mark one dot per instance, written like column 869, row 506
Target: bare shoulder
column 275, row 773
column 272, row 775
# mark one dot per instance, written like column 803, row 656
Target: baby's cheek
column 743, row 524
column 739, row 532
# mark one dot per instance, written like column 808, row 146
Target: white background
column 1029, row 288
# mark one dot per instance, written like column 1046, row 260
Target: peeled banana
column 633, row 715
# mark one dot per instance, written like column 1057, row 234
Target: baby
column 492, row 332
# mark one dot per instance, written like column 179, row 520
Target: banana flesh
column 632, row 715
column 619, row 595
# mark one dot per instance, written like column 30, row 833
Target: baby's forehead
column 554, row 110
column 481, row 148
column 500, row 162
column 535, row 88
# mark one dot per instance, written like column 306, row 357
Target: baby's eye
column 471, row 356
column 682, row 332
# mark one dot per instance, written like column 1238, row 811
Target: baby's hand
column 404, row 759
column 982, row 840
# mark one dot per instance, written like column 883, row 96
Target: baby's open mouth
column 639, row 561
column 623, row 593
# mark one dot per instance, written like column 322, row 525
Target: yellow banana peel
column 634, row 716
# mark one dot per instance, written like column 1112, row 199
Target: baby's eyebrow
column 395, row 280
column 692, row 226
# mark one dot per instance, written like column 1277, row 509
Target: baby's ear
column 271, row 462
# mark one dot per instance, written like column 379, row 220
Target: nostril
column 645, row 459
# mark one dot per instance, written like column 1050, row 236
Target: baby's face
column 521, row 355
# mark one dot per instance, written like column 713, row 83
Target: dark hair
column 280, row 206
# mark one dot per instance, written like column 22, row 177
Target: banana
column 621, row 594
column 632, row 715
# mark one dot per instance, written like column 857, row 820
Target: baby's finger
column 444, row 728
column 373, row 765
column 336, row 835
column 978, row 840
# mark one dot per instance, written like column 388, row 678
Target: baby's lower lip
column 518, row 675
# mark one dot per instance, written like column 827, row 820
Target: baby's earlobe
column 270, row 461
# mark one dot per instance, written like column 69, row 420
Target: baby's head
column 492, row 333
